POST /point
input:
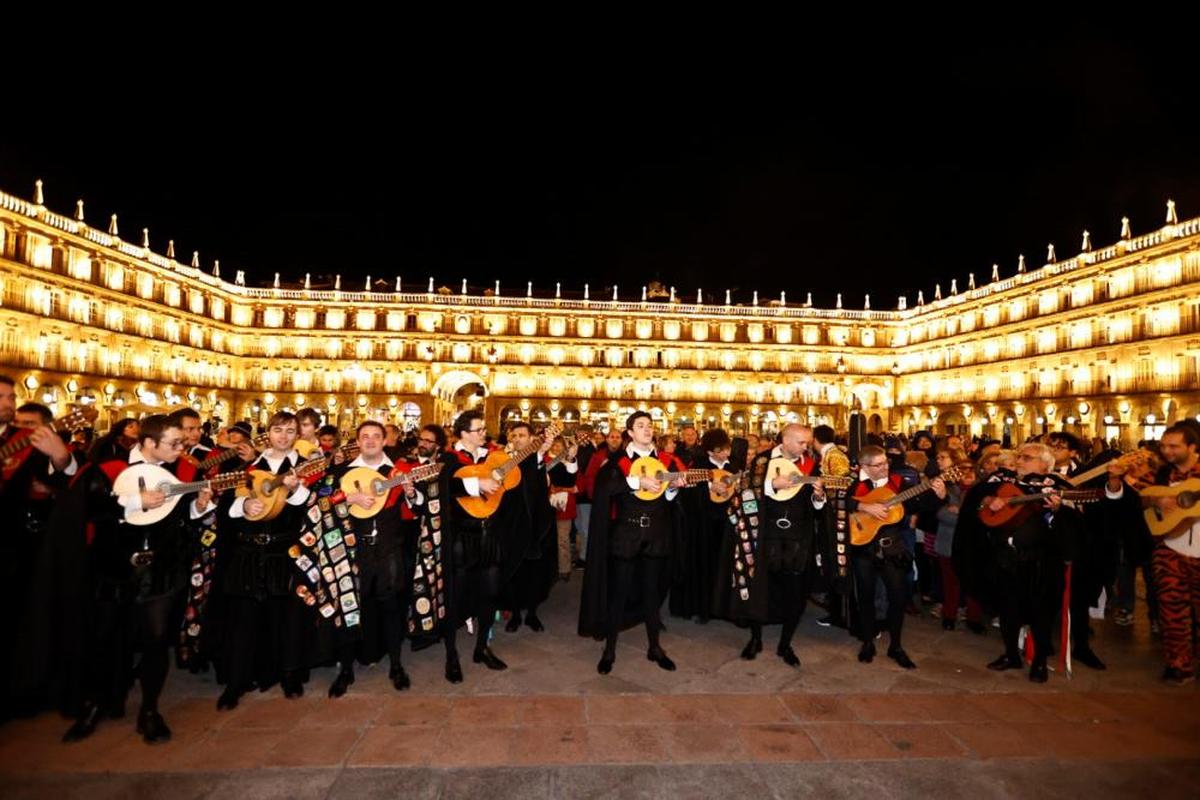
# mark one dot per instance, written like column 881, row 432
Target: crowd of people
column 260, row 555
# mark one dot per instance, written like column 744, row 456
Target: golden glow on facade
column 1113, row 331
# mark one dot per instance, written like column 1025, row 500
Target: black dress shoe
column 866, row 653
column 947, row 624
column 898, row 655
column 513, row 624
column 228, row 699
column 399, row 678
column 977, row 628
column 84, row 726
column 292, row 686
column 1038, row 673
column 534, row 623
column 752, row 648
column 488, row 659
column 701, row 620
column 153, row 727
column 1004, row 662
column 1088, row 658
column 453, row 670
column 660, row 658
column 788, row 655
column 341, row 683
column 606, row 663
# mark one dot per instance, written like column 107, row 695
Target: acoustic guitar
column 14, row 452
column 501, row 468
column 364, row 480
column 1019, row 506
column 721, row 482
column 786, row 468
column 864, row 527
column 148, row 477
column 1169, row 523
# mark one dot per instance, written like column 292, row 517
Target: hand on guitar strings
column 152, row 498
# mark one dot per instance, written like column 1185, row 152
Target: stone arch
column 449, row 384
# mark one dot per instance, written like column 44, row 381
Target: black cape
column 593, row 605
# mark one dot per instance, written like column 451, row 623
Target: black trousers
column 1031, row 591
column 118, row 630
column 894, row 572
column 788, row 599
column 623, row 573
column 265, row 640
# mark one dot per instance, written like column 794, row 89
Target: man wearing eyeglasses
column 886, row 556
column 137, row 576
column 479, row 554
column 1026, row 558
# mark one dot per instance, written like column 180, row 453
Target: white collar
column 825, row 448
column 358, row 462
column 136, row 457
column 480, row 452
column 715, row 464
column 291, row 456
column 633, row 452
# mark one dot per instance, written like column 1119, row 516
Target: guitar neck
column 15, row 445
column 216, row 485
column 417, row 475
column 20, row 439
column 221, row 456
column 1067, row 494
column 1084, row 477
column 519, row 456
column 910, row 493
column 216, row 459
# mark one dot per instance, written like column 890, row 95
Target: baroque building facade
column 1105, row 343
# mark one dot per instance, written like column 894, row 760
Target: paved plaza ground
column 549, row 726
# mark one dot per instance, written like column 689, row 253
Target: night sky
column 879, row 163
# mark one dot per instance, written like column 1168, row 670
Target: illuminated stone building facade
column 1106, row 343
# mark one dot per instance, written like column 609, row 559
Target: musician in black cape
column 385, row 552
column 1019, row 569
column 706, row 524
column 528, row 508
column 635, row 548
column 768, row 555
column 270, row 636
column 483, row 554
column 135, row 580
column 35, row 476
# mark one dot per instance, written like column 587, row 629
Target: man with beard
column 629, row 546
column 1176, row 557
column 527, row 509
